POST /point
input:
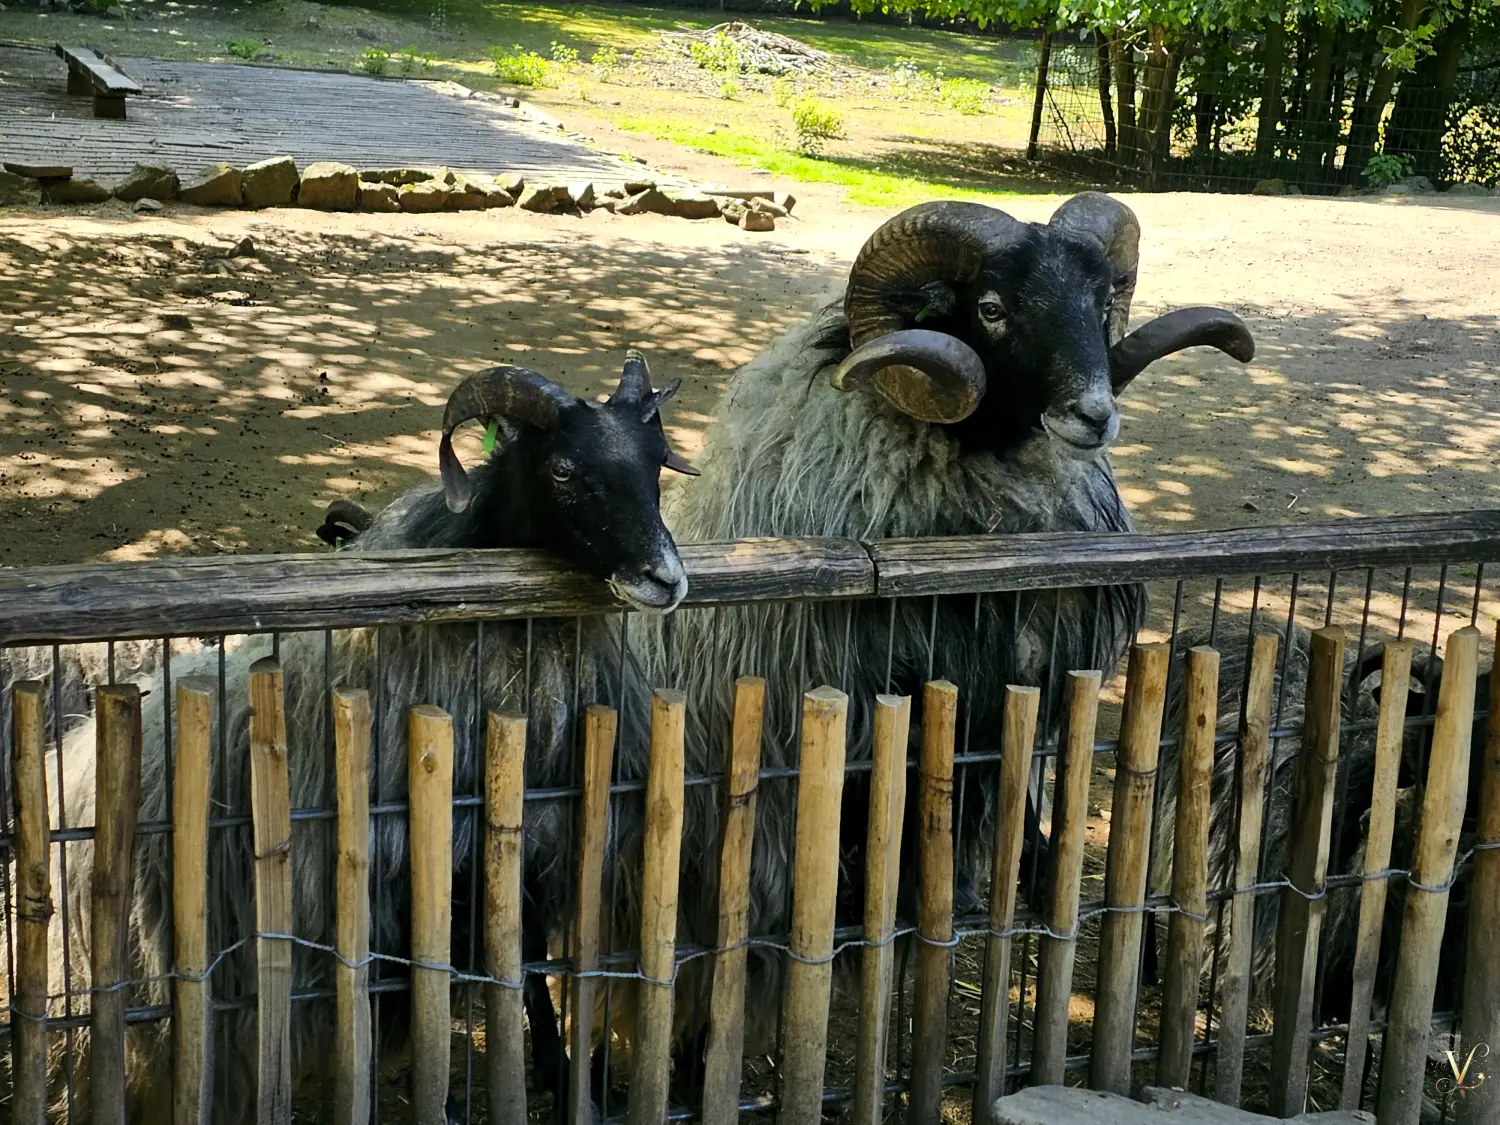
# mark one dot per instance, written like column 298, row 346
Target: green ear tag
column 490, row 433
column 921, row 316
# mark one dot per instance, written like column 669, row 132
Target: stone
column 147, row 206
column 1420, row 185
column 1269, row 187
column 424, row 198
column 78, row 189
column 1401, row 188
column 582, row 195
column 775, row 210
column 39, row 171
column 466, row 195
column 691, row 205
column 270, row 183
column 175, row 322
column 379, row 197
column 635, row 187
column 733, row 211
column 650, row 201
column 1293, row 189
column 615, row 193
column 219, row 186
column 329, row 186
column 539, row 199
column 398, row 177
column 1068, row 1105
column 16, row 189
column 785, row 200
column 512, row 183
column 1181, row 1102
column 244, row 248
column 757, row 220
column 148, row 181
column 1467, row 189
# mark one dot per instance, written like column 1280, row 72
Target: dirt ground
column 318, row 367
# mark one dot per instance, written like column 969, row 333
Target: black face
column 595, row 495
column 1037, row 317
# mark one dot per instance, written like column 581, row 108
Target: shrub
column 967, row 95
column 907, row 81
column 723, row 53
column 815, row 124
column 411, row 59
column 564, row 56
column 373, row 60
column 1387, row 168
column 783, row 92
column 521, row 67
column 245, row 48
column 604, row 62
column 729, row 90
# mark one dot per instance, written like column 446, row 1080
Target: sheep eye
column 991, row 310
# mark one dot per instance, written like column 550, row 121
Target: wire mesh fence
column 966, row 814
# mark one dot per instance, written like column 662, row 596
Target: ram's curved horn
column 931, row 376
column 1119, row 232
column 945, row 241
column 1174, row 331
column 635, row 380
column 517, row 393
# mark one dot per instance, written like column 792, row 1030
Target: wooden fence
column 1012, row 993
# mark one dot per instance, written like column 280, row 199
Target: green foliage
column 967, row 95
column 604, row 62
column 908, row 81
column 1471, row 148
column 815, row 124
column 562, row 55
column 412, row 59
column 245, row 48
column 722, row 53
column 783, row 92
column 729, row 90
column 373, row 60
column 520, row 67
column 1387, row 168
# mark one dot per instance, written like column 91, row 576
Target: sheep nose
column 1097, row 411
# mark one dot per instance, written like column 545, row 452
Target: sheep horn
column 931, row 376
column 1119, row 232
column 944, row 241
column 1174, row 331
column 496, row 392
column 635, row 380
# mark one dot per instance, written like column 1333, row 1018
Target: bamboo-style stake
column 1185, row 925
column 815, row 887
column 1403, row 1057
column 504, row 1035
column 430, row 778
column 661, row 853
column 271, row 814
column 882, row 874
column 1255, row 771
column 352, row 1042
column 1390, row 733
column 33, row 844
column 192, row 1019
column 599, row 725
column 1056, row 950
column 1017, row 740
column 724, row 1057
column 1300, row 921
column 1126, row 867
column 934, row 900
column 117, row 810
column 1481, row 1022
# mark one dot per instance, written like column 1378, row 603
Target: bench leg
column 106, row 105
column 78, row 83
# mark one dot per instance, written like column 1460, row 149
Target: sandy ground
column 318, row 368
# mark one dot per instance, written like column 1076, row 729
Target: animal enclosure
column 1306, row 906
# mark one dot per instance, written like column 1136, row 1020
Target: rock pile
column 330, row 186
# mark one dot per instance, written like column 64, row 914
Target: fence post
column 1481, row 1022
column 33, row 901
column 1043, row 63
column 599, row 725
column 504, row 1035
column 1390, row 732
column 820, row 788
column 725, row 1052
column 934, row 900
column 430, row 778
column 352, row 1043
column 1015, row 768
column 192, row 1020
column 1403, row 1059
column 1189, row 917
column 882, row 874
column 271, row 814
column 1300, row 921
column 117, row 809
column 1255, row 771
column 1056, row 950
column 1126, row 867
column 661, row 854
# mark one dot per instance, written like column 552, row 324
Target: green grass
column 866, row 183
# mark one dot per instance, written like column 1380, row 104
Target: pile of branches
column 762, row 51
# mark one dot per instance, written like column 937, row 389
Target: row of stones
column 1411, row 185
column 331, row 186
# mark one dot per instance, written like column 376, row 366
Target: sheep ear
column 679, row 464
column 933, row 301
column 653, row 403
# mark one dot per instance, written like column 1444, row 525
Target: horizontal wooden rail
column 260, row 593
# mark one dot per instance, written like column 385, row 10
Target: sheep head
column 961, row 315
column 586, row 474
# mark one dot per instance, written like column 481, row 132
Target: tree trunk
column 1419, row 117
column 1271, row 104
column 1336, row 106
column 1365, row 131
column 1162, row 63
column 1106, row 102
column 1317, row 113
column 1210, row 89
column 1043, row 62
column 1122, row 56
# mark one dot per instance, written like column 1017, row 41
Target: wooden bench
column 88, row 73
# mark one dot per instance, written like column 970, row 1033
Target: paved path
column 192, row 115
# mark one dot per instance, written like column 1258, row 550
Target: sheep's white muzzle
column 1078, row 438
column 658, row 589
